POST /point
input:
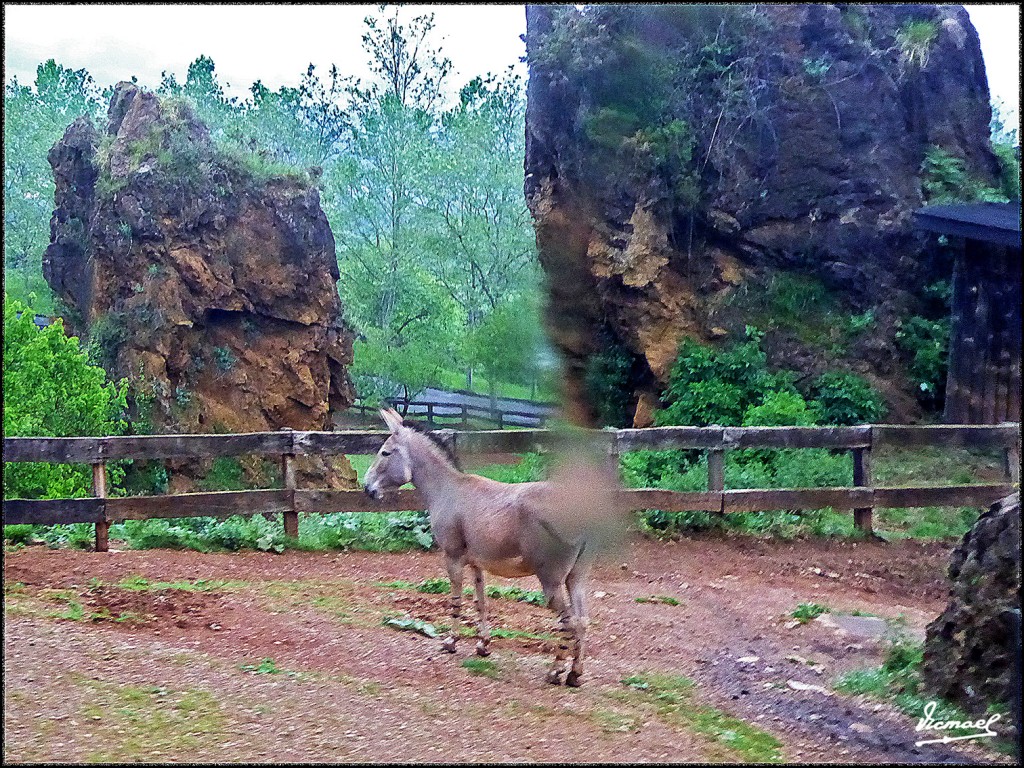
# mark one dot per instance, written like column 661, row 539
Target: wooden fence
column 862, row 496
column 449, row 414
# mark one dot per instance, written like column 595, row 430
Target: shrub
column 780, row 409
column 709, row 386
column 224, row 358
column 845, row 398
column 915, row 39
column 52, row 390
column 18, row 534
column 927, row 342
column 945, row 179
column 607, row 382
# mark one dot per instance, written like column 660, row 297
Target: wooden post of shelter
column 983, row 382
column 99, row 490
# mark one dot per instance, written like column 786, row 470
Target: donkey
column 507, row 529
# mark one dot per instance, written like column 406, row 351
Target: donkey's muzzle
column 372, row 494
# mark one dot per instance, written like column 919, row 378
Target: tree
column 52, row 390
column 482, row 245
column 374, row 199
column 35, row 118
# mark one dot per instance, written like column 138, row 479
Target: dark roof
column 997, row 223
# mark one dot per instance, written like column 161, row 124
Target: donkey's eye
column 385, row 453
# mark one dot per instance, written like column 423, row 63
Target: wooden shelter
column 983, row 383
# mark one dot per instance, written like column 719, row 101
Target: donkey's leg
column 554, row 591
column 575, row 583
column 454, row 567
column 483, row 631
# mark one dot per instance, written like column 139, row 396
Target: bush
column 52, row 390
column 945, row 179
column 717, row 386
column 607, row 382
column 915, row 39
column 845, row 398
column 780, row 409
column 18, row 534
column 927, row 342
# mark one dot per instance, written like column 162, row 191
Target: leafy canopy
column 52, row 390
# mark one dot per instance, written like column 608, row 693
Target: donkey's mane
column 446, row 450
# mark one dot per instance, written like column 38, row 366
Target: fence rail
column 449, row 414
column 862, row 496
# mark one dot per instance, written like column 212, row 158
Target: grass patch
column 482, row 667
column 136, row 583
column 516, row 634
column 145, row 723
column 898, row 681
column 806, row 612
column 442, row 586
column 731, row 739
column 266, row 667
column 663, row 599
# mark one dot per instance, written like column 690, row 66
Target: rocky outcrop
column 678, row 153
column 209, row 284
column 969, row 649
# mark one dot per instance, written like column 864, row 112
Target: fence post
column 1011, row 461
column 430, row 414
column 99, row 490
column 716, row 470
column 291, row 517
column 465, row 415
column 862, row 479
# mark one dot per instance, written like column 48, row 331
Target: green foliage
column 816, row 69
column 845, row 398
column 717, row 386
column 805, row 612
column 266, row 667
column 915, row 40
column 927, row 343
column 51, row 390
column 226, row 474
column 669, row 149
column 607, row 380
column 224, row 358
column 945, row 179
column 18, row 534
column 35, row 117
column 484, row 667
column 732, row 386
column 781, row 408
column 734, row 740
column 106, row 336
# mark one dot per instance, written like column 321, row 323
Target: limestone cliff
column 679, row 158
column 209, row 284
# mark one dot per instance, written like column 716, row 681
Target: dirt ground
column 286, row 658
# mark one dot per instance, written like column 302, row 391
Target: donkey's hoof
column 482, row 649
column 573, row 679
column 448, row 646
column 554, row 677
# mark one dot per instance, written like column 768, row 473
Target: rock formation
column 969, row 649
column 679, row 155
column 209, row 284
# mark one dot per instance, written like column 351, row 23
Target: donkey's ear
column 391, row 418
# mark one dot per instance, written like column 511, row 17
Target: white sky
column 275, row 44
